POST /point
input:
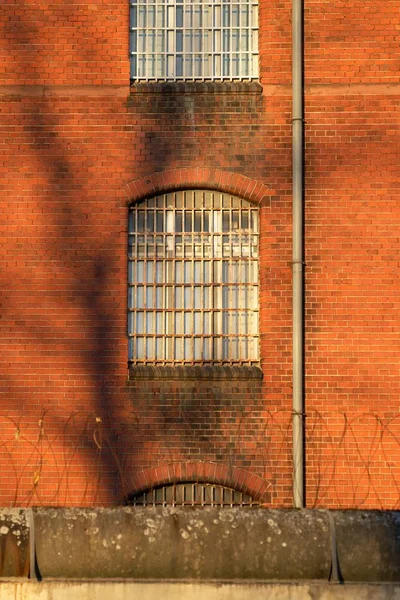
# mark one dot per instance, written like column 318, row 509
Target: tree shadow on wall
column 59, row 297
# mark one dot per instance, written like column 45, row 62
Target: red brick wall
column 55, row 42
column 352, row 252
column 77, row 146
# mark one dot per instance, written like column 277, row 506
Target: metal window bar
column 181, row 40
column 192, row 494
column 193, row 280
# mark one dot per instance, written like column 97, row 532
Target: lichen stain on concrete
column 198, row 524
column 274, row 526
column 225, row 516
column 152, row 524
column 14, row 516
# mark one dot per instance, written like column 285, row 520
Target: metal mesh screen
column 184, row 40
column 193, row 280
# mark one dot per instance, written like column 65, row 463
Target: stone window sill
column 225, row 373
column 197, row 87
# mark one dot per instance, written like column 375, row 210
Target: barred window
column 194, row 494
column 193, row 280
column 172, row 40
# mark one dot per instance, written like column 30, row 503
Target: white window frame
column 193, row 280
column 200, row 40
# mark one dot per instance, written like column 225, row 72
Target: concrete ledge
column 183, row 543
column 128, row 590
column 202, row 544
column 14, row 543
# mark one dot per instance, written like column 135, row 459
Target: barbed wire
column 352, row 459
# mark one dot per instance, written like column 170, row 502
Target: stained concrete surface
column 128, row 590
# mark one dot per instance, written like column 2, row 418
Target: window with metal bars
column 192, row 494
column 193, row 280
column 184, row 40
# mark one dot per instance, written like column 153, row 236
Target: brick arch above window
column 198, row 178
column 232, row 477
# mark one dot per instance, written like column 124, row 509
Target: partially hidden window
column 193, row 280
column 183, row 40
column 196, row 494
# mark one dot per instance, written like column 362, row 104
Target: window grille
column 192, row 494
column 172, row 40
column 193, row 280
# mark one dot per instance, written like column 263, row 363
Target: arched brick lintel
column 198, row 178
column 238, row 479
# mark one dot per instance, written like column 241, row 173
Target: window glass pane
column 178, row 221
column 159, row 271
column 198, row 299
column 198, row 348
column 178, row 297
column 140, row 322
column 130, row 350
column 198, row 275
column 159, row 348
column 206, row 297
column 140, row 297
column 188, row 319
column 197, row 220
column 207, row 272
column 178, row 272
column 234, row 348
column 130, row 323
column 150, row 272
column 178, row 349
column 207, row 322
column 160, row 323
column 140, row 348
column 225, row 271
column 150, row 348
column 188, row 297
column 131, row 272
column 207, row 349
column 179, row 323
column 187, row 349
column 188, row 270
column 198, row 322
column 159, row 297
column 188, row 221
column 149, row 297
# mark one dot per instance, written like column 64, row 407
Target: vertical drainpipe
column 298, row 252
